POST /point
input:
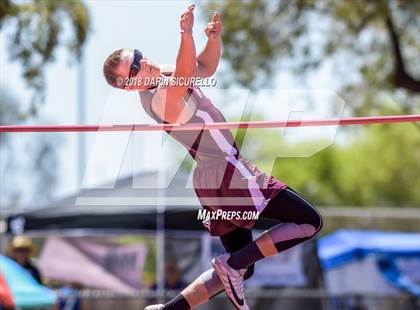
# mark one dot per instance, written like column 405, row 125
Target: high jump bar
column 218, row 125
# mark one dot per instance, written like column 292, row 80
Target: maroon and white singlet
column 223, row 179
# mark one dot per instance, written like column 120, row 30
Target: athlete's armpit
column 173, row 112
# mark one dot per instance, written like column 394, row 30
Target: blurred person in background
column 21, row 249
column 69, row 298
column 173, row 279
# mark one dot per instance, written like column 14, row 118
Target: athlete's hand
column 187, row 19
column 214, row 27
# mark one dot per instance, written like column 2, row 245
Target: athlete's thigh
column 236, row 240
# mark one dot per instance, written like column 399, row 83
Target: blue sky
column 152, row 27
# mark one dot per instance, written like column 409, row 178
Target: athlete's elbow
column 209, row 73
column 204, row 70
column 205, row 74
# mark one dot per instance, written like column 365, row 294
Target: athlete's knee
column 249, row 272
column 320, row 222
column 315, row 222
column 312, row 225
column 308, row 215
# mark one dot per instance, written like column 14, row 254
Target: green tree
column 374, row 44
column 382, row 167
column 378, row 166
column 36, row 29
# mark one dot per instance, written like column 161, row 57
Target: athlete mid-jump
column 223, row 179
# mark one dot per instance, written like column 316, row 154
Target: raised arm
column 168, row 104
column 209, row 58
column 186, row 61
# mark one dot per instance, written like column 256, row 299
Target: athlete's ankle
column 245, row 257
column 177, row 303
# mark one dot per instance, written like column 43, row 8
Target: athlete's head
column 129, row 70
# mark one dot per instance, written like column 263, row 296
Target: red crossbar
column 208, row 126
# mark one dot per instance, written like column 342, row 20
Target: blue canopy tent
column 357, row 261
column 26, row 291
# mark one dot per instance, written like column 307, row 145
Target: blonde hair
column 111, row 63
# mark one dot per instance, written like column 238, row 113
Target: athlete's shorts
column 233, row 184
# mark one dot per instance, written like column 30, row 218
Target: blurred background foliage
column 378, row 165
column 36, row 30
column 373, row 46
